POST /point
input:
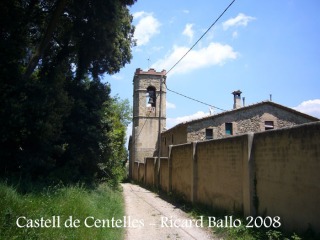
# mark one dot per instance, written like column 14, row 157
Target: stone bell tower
column 149, row 109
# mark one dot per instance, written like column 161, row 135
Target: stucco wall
column 287, row 164
column 149, row 171
column 135, row 171
column 220, row 170
column 182, row 170
column 177, row 135
column 272, row 173
column 164, row 174
column 141, row 176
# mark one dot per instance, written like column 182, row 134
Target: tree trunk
column 46, row 38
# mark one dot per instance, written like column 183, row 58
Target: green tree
column 121, row 116
column 53, row 105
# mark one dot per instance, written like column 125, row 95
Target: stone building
column 149, row 93
column 259, row 117
column 149, row 85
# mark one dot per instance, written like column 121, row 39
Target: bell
column 151, row 101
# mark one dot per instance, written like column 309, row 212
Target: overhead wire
column 189, row 51
column 145, row 121
column 179, row 62
column 194, row 99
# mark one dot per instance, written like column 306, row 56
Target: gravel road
column 150, row 217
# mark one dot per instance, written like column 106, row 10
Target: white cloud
column 117, row 77
column 188, row 31
column 213, row 54
column 170, row 105
column 171, row 122
column 128, row 133
column 186, row 11
column 235, row 34
column 146, row 28
column 157, row 48
column 240, row 20
column 310, row 107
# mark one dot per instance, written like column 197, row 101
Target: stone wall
column 146, row 119
column 244, row 120
column 251, row 120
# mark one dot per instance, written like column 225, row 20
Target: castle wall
column 220, row 167
column 150, row 171
column 164, row 174
column 269, row 174
column 287, row 165
column 182, row 169
column 177, row 135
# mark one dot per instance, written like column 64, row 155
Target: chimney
column 236, row 99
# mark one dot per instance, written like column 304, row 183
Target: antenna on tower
column 211, row 110
column 148, row 62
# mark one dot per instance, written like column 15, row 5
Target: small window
column 229, row 129
column 209, row 133
column 268, row 125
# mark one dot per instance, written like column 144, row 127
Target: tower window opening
column 151, row 97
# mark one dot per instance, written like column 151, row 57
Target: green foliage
column 76, row 201
column 57, row 120
column 231, row 232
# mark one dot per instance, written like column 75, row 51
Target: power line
column 187, row 54
column 201, row 37
column 145, row 121
column 194, row 99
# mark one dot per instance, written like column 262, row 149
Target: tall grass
column 75, row 201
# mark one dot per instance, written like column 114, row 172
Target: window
column 229, row 129
column 268, row 125
column 209, row 133
column 151, row 97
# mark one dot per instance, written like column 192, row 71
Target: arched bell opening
column 151, row 96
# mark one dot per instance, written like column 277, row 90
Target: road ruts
column 147, row 212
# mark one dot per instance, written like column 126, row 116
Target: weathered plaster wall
column 287, row 165
column 272, row 173
column 164, row 174
column 150, row 171
column 182, row 170
column 219, row 167
column 178, row 135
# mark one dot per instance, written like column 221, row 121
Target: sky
column 258, row 47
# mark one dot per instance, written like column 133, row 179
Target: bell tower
column 149, row 114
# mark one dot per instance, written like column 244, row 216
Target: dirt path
column 150, row 217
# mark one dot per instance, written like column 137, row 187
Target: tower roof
column 151, row 71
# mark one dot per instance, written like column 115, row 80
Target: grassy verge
column 37, row 209
column 232, row 233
